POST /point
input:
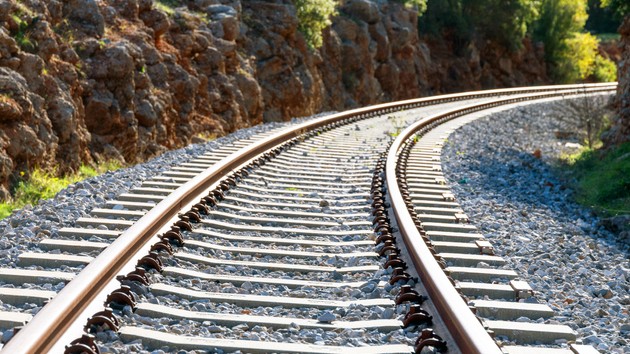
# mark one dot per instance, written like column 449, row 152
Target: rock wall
column 620, row 131
column 86, row 80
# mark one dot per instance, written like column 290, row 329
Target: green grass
column 602, row 179
column 45, row 185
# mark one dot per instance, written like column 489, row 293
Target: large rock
column 86, row 16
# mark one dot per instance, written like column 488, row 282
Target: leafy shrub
column 313, row 17
column 577, row 57
column 447, row 17
column 571, row 54
column 421, row 5
column 622, row 7
column 504, row 21
column 559, row 21
column 604, row 70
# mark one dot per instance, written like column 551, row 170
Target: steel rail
column 49, row 324
column 471, row 336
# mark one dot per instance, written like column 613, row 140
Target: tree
column 504, row 21
column 622, row 7
column 559, row 21
column 601, row 19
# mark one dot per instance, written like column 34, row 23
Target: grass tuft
column 602, row 179
column 46, row 184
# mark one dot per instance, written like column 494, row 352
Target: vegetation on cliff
column 83, row 81
column 313, row 17
column 571, row 53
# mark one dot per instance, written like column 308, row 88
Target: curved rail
column 42, row 332
column 463, row 325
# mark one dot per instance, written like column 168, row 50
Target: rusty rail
column 42, row 332
column 468, row 332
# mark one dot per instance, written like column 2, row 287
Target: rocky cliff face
column 620, row 131
column 85, row 80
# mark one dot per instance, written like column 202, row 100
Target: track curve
column 43, row 331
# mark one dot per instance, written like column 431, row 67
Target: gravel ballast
column 523, row 207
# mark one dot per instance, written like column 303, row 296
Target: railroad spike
column 193, row 216
column 162, row 245
column 83, row 345
column 174, row 237
column 201, row 208
column 224, row 186
column 218, row 194
column 184, row 224
column 210, row 200
column 120, row 298
column 139, row 275
column 384, row 237
column 151, row 261
column 409, row 294
column 416, row 316
column 428, row 338
column 100, row 319
column 394, row 261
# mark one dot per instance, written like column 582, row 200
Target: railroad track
column 293, row 241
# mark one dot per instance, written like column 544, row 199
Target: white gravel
column 524, row 208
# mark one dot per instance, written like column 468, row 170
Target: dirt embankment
column 85, row 80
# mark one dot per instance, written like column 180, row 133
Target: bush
column 504, row 21
column 622, row 7
column 559, row 21
column 313, row 17
column 576, row 57
column 571, row 54
column 421, row 5
column 604, row 70
column 447, row 17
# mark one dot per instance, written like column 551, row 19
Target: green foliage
column 420, row 5
column 602, row 179
column 601, row 19
column 446, row 18
column 45, row 185
column 559, row 21
column 604, row 70
column 23, row 34
column 621, row 7
column 504, row 21
column 571, row 54
column 313, row 17
column 576, row 58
